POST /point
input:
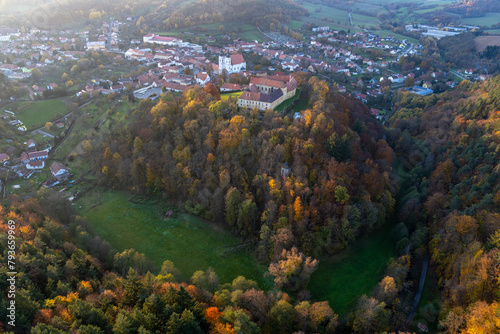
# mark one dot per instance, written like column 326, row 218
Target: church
column 232, row 64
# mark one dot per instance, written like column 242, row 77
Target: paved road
column 421, row 284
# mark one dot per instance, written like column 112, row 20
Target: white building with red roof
column 235, row 63
column 38, row 155
column 162, row 40
column 59, row 171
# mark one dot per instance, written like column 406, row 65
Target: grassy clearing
column 36, row 114
column 226, row 96
column 245, row 31
column 288, row 102
column 344, row 277
column 189, row 242
column 93, row 122
column 326, row 12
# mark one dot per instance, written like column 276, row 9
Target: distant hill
column 256, row 12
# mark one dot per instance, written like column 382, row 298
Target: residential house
column 59, row 171
column 38, row 155
column 202, row 78
column 229, row 87
column 39, row 164
column 31, row 144
column 4, row 158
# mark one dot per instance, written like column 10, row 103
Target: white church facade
column 232, row 64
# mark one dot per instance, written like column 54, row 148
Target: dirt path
column 421, row 284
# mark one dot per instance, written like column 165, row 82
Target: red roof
column 56, row 167
column 38, row 163
column 38, row 154
column 236, row 59
column 231, row 86
column 267, row 82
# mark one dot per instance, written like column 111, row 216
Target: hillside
column 450, row 143
column 256, row 12
column 71, row 281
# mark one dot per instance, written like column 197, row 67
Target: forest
column 450, row 143
column 226, row 165
column 255, row 12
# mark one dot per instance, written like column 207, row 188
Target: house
column 162, row 40
column 59, row 171
column 31, row 144
column 202, row 78
column 235, row 63
column 96, row 46
column 38, row 164
column 24, row 173
column 229, row 87
column 38, row 155
column 4, row 158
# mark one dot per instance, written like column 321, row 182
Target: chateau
column 232, row 64
column 268, row 92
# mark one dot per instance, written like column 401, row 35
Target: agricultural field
column 325, row 15
column 344, row 277
column 488, row 20
column 483, row 41
column 36, row 114
column 191, row 243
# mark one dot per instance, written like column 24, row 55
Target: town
column 361, row 64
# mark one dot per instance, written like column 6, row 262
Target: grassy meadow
column 488, row 20
column 36, row 114
column 344, row 277
column 191, row 243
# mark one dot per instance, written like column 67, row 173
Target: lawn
column 288, row 102
column 189, row 242
column 488, row 20
column 344, row 277
column 226, row 96
column 36, row 114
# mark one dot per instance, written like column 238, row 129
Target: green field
column 326, row 12
column 247, row 32
column 344, row 277
column 36, row 114
column 488, row 20
column 189, row 242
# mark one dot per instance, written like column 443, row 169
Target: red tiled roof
column 267, row 82
column 231, row 86
column 237, row 59
column 37, row 154
column 56, row 167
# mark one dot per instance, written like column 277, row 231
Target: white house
column 202, row 78
column 40, row 164
column 58, row 170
